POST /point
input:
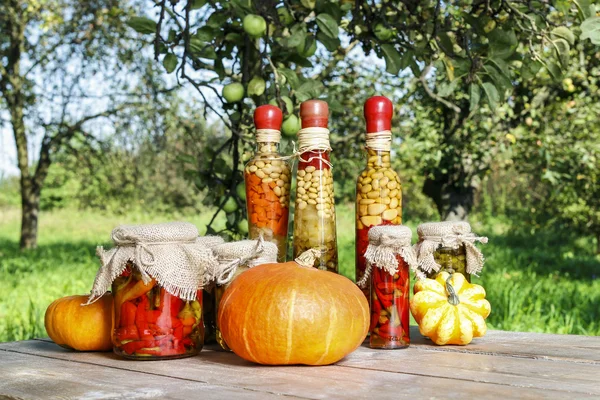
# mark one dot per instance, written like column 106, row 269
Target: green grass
column 546, row 283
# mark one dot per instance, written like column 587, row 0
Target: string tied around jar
column 250, row 253
column 268, row 136
column 313, row 139
column 385, row 244
column 379, row 141
column 170, row 253
column 449, row 234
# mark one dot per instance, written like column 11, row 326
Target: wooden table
column 500, row 365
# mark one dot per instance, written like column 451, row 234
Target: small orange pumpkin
column 85, row 328
column 288, row 313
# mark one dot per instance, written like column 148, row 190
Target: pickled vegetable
column 390, row 308
column 150, row 323
column 314, row 222
column 451, row 260
column 378, row 202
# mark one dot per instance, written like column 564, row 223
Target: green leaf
column 554, row 70
column 499, row 72
column 530, row 69
column 562, row 32
column 297, row 36
column 327, row 25
column 491, row 93
column 217, row 19
column 142, row 25
column 502, row 43
column 393, row 59
column 561, row 46
column 309, row 90
column 170, row 62
column 562, row 5
column 329, row 43
column 196, row 4
column 205, row 34
column 290, row 76
column 587, row 9
column 474, row 96
column 590, row 29
column 447, row 88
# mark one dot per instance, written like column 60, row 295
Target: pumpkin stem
column 307, row 259
column 452, row 296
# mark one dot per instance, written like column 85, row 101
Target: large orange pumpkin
column 291, row 314
column 83, row 328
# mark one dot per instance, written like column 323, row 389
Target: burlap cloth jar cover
column 246, row 253
column 386, row 242
column 447, row 234
column 172, row 253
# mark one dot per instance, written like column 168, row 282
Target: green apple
column 254, row 25
column 382, row 32
column 289, row 105
column 230, row 205
column 233, row 92
column 240, row 190
column 242, row 227
column 290, row 126
column 284, row 16
column 256, row 86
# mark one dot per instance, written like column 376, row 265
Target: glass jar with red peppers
column 378, row 188
column 268, row 177
column 389, row 255
column 151, row 323
column 314, row 215
column 234, row 259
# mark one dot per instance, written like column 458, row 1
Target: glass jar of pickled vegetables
column 389, row 256
column 448, row 246
column 208, row 295
column 378, row 188
column 160, row 271
column 235, row 258
column 267, row 177
column 153, row 323
column 314, row 214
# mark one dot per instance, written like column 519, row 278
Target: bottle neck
column 378, row 158
column 267, row 147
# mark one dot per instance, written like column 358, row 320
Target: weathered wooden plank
column 572, row 348
column 340, row 381
column 29, row 377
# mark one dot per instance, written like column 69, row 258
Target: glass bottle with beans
column 267, row 177
column 314, row 216
column 378, row 188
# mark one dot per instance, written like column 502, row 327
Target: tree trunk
column 454, row 203
column 30, row 205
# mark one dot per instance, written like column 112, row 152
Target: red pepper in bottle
column 378, row 189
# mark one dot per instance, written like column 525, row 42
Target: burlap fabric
column 171, row 253
column 385, row 243
column 245, row 253
column 210, row 241
column 448, row 234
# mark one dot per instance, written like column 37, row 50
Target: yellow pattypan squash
column 449, row 309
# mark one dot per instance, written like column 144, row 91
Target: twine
column 262, row 253
column 171, row 253
column 313, row 139
column 385, row 244
column 379, row 141
column 268, row 136
column 451, row 235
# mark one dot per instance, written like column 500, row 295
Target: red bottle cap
column 268, row 117
column 378, row 114
column 314, row 113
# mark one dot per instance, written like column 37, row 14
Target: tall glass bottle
column 314, row 216
column 378, row 188
column 268, row 177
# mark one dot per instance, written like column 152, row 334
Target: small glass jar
column 244, row 255
column 451, row 260
column 389, row 287
column 152, row 324
column 378, row 187
column 443, row 246
column 268, row 177
column 314, row 215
